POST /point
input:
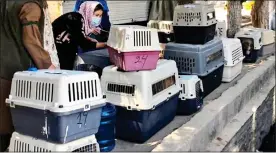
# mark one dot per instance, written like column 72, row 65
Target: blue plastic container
column 106, row 133
column 56, row 127
column 139, row 126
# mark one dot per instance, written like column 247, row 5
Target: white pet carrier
column 233, row 57
column 141, row 90
column 56, row 90
column 190, row 86
column 194, row 15
column 251, row 34
column 166, row 26
column 121, row 12
column 63, row 105
column 22, row 143
column 221, row 29
column 268, row 36
column 153, row 24
column 128, row 38
column 161, row 26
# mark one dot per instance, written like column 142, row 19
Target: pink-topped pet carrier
column 133, row 48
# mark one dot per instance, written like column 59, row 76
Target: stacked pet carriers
column 165, row 30
column 251, row 41
column 194, row 23
column 233, row 57
column 55, row 110
column 205, row 61
column 146, row 101
column 133, row 48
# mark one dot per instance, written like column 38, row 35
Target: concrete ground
column 180, row 120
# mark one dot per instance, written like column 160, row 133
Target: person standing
column 26, row 40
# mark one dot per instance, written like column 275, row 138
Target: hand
column 101, row 45
column 96, row 31
column 52, row 67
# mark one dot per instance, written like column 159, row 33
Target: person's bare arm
column 29, row 16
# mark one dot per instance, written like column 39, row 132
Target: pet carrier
column 221, row 29
column 194, row 23
column 140, row 97
column 92, row 61
column 106, row 133
column 56, row 105
column 165, row 30
column 133, row 48
column 268, row 39
column 23, row 143
column 251, row 44
column 196, row 59
column 191, row 94
column 233, row 57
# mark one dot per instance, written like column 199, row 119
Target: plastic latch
column 12, row 105
column 86, row 107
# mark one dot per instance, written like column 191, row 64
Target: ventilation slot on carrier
column 21, row 146
column 88, row 148
column 236, row 54
column 190, row 17
column 39, row 149
column 44, row 91
column 198, row 91
column 182, row 91
column 214, row 56
column 82, row 90
column 127, row 89
column 23, row 88
column 142, row 38
column 184, row 64
column 163, row 84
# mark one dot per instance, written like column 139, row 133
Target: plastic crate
column 196, row 59
column 64, row 105
column 166, row 33
column 251, row 43
column 212, row 81
column 142, row 90
column 194, row 23
column 191, row 95
column 139, row 126
column 165, row 30
column 268, row 36
column 23, row 143
column 221, row 29
column 133, row 48
column 106, row 133
column 233, row 57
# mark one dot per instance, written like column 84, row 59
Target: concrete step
column 247, row 129
column 196, row 134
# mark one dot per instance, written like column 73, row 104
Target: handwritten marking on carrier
column 141, row 59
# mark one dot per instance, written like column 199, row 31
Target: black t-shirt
column 69, row 34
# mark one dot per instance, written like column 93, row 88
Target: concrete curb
column 236, row 124
column 196, row 134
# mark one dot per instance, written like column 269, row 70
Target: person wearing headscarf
column 105, row 24
column 71, row 31
column 26, row 41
